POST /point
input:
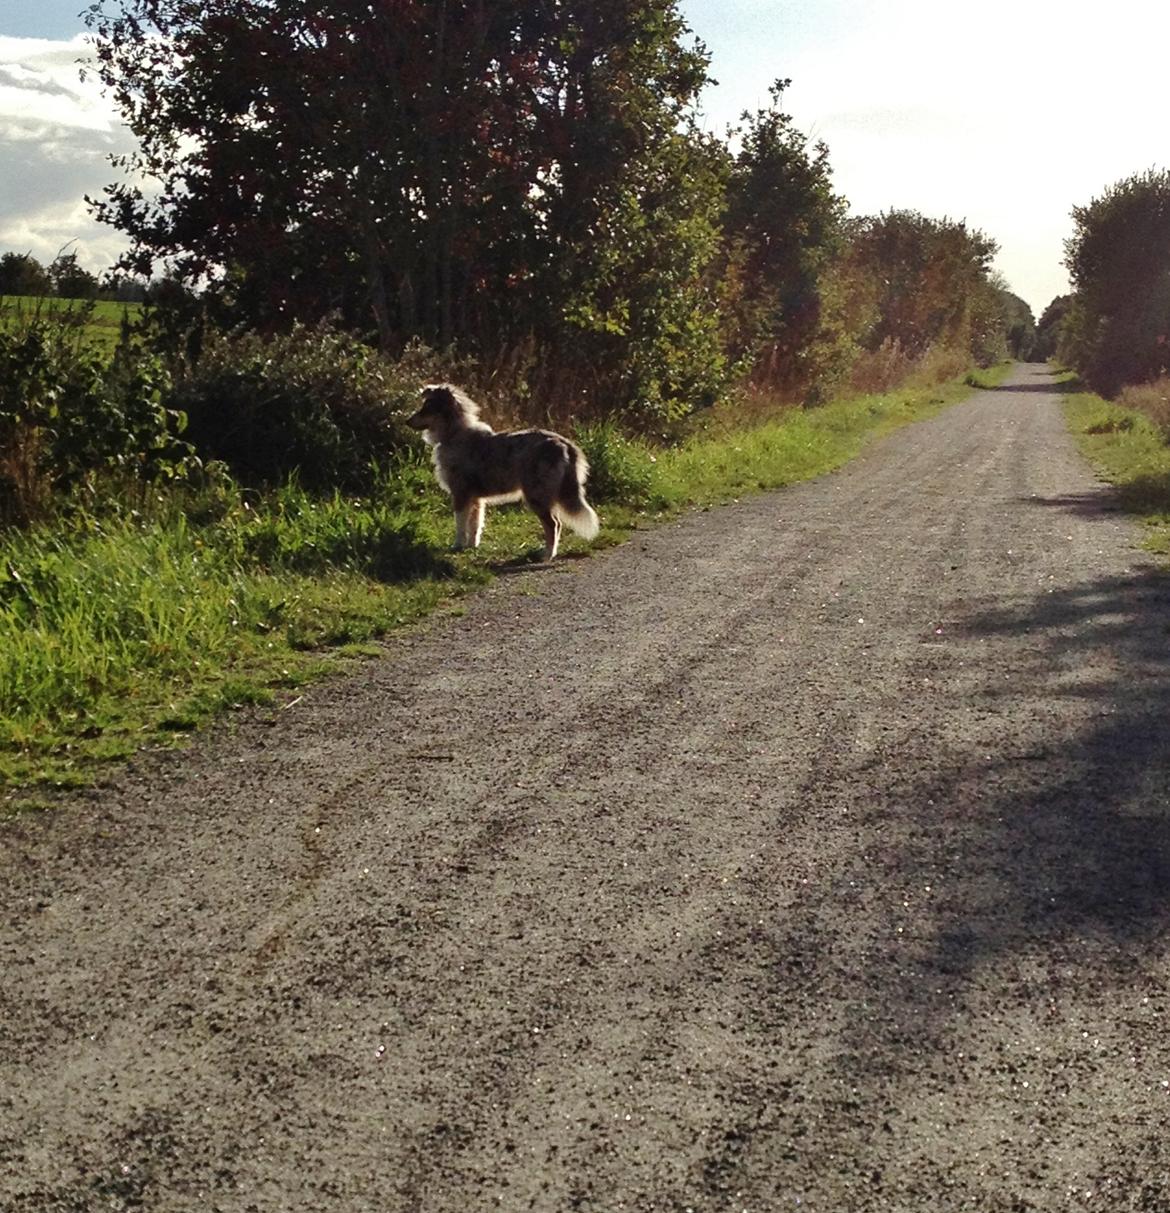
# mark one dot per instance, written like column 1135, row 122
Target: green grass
column 100, row 324
column 134, row 630
column 989, row 376
column 1130, row 451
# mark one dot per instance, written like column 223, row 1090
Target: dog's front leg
column 475, row 517
column 468, row 523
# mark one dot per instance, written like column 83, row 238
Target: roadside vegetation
column 1112, row 332
column 1128, row 441
column 207, row 489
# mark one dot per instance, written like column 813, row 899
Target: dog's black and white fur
column 479, row 467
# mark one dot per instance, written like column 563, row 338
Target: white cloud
column 57, row 132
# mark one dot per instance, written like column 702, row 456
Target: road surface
column 810, row 853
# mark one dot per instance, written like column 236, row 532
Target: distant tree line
column 23, row 274
column 64, row 278
column 527, row 182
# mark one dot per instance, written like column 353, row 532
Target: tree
column 500, row 174
column 23, row 274
column 1049, row 328
column 1019, row 325
column 782, row 232
column 70, row 281
column 1117, row 330
column 930, row 280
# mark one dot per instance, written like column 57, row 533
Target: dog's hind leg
column 552, row 528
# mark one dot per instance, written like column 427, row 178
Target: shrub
column 1152, row 399
column 313, row 404
column 67, row 414
column 882, row 369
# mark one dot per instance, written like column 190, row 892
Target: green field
column 99, row 323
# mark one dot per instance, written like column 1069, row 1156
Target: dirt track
column 810, row 853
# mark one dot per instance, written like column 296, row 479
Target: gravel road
column 810, row 853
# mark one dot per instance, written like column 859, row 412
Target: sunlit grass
column 1129, row 450
column 99, row 324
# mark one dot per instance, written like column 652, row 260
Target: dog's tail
column 570, row 506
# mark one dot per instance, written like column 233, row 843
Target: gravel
column 807, row 853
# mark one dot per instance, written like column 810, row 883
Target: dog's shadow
column 532, row 562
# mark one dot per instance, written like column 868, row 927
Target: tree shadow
column 1047, row 386
column 1040, row 844
column 1092, row 503
column 1147, row 494
column 1061, row 834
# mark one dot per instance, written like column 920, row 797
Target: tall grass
column 131, row 628
column 1151, row 399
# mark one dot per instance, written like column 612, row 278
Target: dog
column 479, row 467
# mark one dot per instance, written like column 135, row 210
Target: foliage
column 432, row 171
column 1050, row 327
column 23, row 274
column 1117, row 329
column 928, row 280
column 1017, row 324
column 621, row 469
column 67, row 414
column 311, row 403
column 70, row 280
column 782, row 235
column 1152, row 400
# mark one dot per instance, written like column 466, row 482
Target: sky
column 1004, row 115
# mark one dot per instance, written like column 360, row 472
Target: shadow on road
column 1051, row 853
column 1046, row 385
column 1093, row 503
column 1035, row 858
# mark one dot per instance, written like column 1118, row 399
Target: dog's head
column 444, row 409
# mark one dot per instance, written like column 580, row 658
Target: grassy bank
column 1129, row 449
column 132, row 630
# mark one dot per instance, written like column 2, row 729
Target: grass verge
column 129, row 632
column 1130, row 451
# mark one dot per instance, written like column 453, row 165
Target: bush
column 313, row 404
column 1152, row 399
column 1117, row 329
column 67, row 414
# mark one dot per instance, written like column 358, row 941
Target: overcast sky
column 1005, row 115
